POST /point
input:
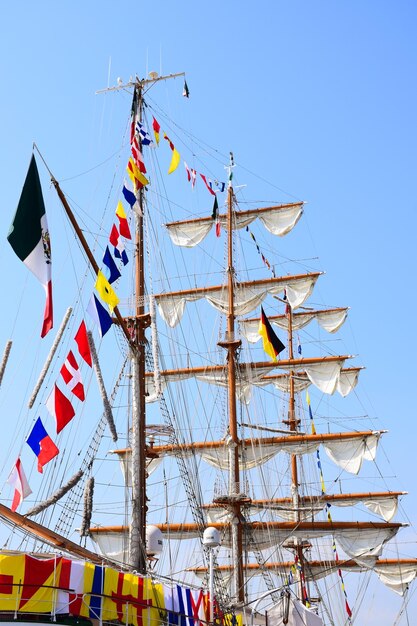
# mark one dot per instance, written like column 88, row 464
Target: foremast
column 138, row 324
column 137, row 530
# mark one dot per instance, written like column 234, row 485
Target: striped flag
column 272, row 344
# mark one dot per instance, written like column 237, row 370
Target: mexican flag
column 29, row 237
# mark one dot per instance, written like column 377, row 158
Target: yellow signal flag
column 135, row 175
column 106, row 291
column 175, row 159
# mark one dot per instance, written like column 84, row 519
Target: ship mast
column 138, row 324
column 293, row 424
column 231, row 344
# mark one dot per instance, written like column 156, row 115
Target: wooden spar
column 322, row 525
column 298, row 315
column 334, row 497
column 312, row 500
column 260, row 211
column 297, row 375
column 87, row 250
column 250, row 283
column 265, row 441
column 328, row 565
column 207, row 369
column 51, row 537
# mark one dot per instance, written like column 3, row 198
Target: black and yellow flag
column 272, row 344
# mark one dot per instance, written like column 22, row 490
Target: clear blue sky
column 318, row 97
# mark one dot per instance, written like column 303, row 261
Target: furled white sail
column 277, row 220
column 385, row 506
column 364, row 545
column 349, row 453
column 247, row 296
column 330, row 320
column 346, row 452
column 346, row 381
column 396, row 576
column 327, row 376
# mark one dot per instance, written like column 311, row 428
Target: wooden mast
column 231, row 344
column 137, row 325
column 140, row 321
column 137, row 534
column 293, row 423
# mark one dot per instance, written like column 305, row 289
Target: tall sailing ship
column 236, row 480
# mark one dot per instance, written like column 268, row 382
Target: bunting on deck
column 109, row 262
column 99, row 315
column 29, row 238
column 60, row 407
column 61, row 586
column 81, row 340
column 17, row 479
column 72, row 376
column 175, row 159
column 41, row 444
column 272, row 344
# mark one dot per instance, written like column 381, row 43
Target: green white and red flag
column 29, row 237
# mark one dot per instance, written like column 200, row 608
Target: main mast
column 231, row 344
